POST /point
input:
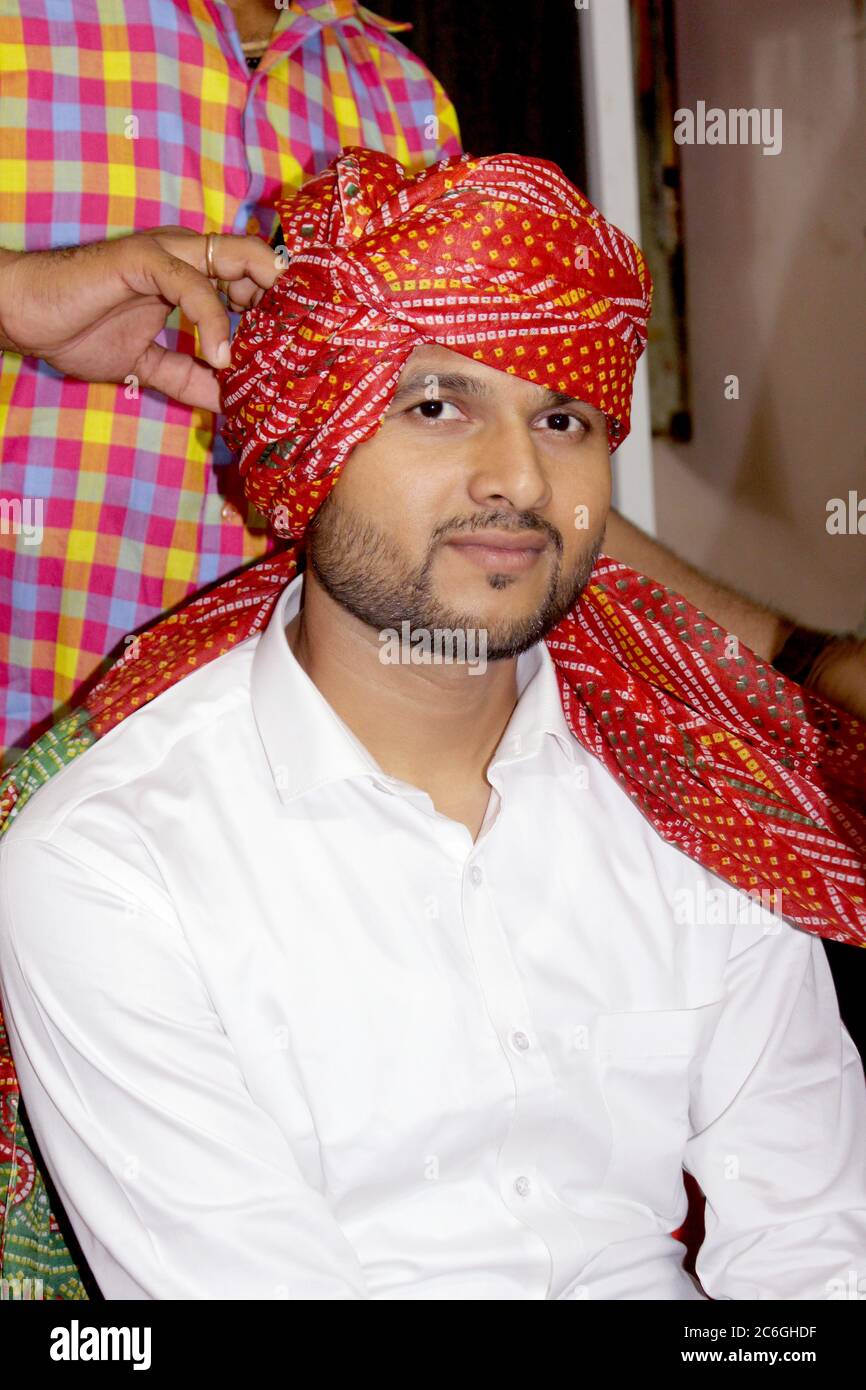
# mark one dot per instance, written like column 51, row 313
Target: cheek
column 389, row 482
column 582, row 502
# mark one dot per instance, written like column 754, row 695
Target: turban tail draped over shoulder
column 503, row 260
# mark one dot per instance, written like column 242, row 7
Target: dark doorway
column 512, row 74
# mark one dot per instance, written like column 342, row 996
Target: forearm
column 759, row 628
column 6, row 258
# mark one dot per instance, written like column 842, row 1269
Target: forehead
column 431, row 359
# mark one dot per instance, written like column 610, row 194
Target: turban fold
column 499, row 258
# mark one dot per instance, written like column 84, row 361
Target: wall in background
column 776, row 293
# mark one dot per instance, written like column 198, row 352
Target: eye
column 560, row 422
column 434, row 410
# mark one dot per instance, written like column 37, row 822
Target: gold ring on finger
column 208, row 256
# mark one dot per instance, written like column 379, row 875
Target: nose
column 506, row 469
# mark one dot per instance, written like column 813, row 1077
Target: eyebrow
column 462, row 384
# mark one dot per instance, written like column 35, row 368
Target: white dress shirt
column 284, row 1031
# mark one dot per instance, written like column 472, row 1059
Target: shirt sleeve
column 177, row 1185
column 778, row 1140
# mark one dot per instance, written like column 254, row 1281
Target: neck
column 433, row 726
column 255, row 19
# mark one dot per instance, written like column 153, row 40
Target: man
column 335, row 976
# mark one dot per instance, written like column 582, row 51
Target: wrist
column 839, row 672
column 801, row 652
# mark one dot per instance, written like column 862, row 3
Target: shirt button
column 475, row 875
column 519, row 1040
column 523, row 1186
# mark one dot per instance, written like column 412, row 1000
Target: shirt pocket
column 643, row 1064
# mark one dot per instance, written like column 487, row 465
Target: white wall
column 776, row 294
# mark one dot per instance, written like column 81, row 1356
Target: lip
column 502, row 552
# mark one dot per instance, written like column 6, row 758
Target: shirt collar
column 538, row 713
column 307, row 744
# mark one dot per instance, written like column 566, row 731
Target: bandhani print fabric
column 758, row 780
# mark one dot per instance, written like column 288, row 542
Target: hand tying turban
column 498, row 258
column 501, row 259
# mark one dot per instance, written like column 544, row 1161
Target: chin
column 497, row 601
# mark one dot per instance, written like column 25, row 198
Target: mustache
column 500, row 521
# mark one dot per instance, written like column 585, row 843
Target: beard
column 364, row 570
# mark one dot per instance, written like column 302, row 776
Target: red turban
column 498, row 258
column 501, row 259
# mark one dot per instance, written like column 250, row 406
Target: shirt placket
column 520, row 1163
column 256, row 216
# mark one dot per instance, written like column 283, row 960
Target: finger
column 241, row 293
column 168, row 228
column 180, row 376
column 178, row 283
column 246, row 257
column 234, row 257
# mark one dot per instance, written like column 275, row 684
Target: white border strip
column 611, row 161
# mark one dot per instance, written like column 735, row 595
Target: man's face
column 480, row 504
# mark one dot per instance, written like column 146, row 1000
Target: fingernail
column 223, row 354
